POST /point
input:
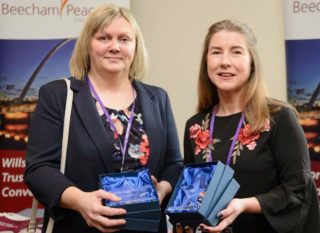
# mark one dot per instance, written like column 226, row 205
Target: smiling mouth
column 226, row 75
column 114, row 58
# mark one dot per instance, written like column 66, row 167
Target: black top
column 273, row 166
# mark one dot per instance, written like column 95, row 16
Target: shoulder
column 55, row 92
column 198, row 118
column 154, row 93
column 284, row 114
column 150, row 89
column 58, row 86
column 285, row 122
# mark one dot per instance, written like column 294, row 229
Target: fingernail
column 219, row 215
column 188, row 229
column 178, row 225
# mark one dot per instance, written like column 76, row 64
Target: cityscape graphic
column 303, row 78
column 27, row 65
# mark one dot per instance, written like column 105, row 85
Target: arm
column 42, row 173
column 49, row 185
column 290, row 201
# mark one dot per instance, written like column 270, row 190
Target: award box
column 202, row 191
column 138, row 197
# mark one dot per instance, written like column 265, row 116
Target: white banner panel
column 302, row 19
column 55, row 19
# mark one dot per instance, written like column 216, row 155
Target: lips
column 226, row 74
column 113, row 58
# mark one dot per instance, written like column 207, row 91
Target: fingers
column 217, row 229
column 108, row 196
column 97, row 215
column 188, row 229
column 104, row 224
column 154, row 180
column 111, row 223
column 110, row 212
column 179, row 228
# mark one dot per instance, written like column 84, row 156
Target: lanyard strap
column 123, row 147
column 235, row 137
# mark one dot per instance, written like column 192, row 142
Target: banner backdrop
column 303, row 71
column 36, row 41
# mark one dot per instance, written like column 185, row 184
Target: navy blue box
column 221, row 188
column 142, row 214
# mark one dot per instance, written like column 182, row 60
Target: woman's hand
column 89, row 205
column 183, row 229
column 163, row 188
column 228, row 215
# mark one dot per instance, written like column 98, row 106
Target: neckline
column 124, row 109
column 228, row 116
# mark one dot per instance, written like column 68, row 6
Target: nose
column 225, row 60
column 114, row 46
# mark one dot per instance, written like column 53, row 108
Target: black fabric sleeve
column 286, row 206
column 42, row 173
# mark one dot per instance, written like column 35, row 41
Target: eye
column 237, row 52
column 124, row 39
column 215, row 52
column 102, row 38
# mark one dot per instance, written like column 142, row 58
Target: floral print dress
column 138, row 150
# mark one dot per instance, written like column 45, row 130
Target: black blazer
column 90, row 146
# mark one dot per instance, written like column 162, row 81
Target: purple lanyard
column 235, row 137
column 123, row 147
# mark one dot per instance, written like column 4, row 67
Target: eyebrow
column 219, row 48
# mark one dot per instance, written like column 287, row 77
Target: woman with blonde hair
column 117, row 124
column 259, row 137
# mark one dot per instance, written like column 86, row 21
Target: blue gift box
column 202, row 190
column 138, row 197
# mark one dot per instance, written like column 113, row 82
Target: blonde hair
column 98, row 19
column 253, row 101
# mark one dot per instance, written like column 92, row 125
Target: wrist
column 163, row 189
column 251, row 205
column 70, row 197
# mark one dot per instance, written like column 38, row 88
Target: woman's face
column 228, row 61
column 112, row 49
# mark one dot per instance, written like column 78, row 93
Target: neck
column 114, row 92
column 228, row 105
column 114, row 83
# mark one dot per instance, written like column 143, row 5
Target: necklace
column 235, row 137
column 123, row 147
